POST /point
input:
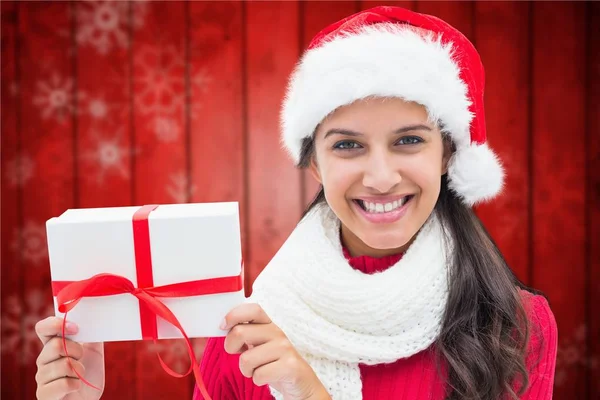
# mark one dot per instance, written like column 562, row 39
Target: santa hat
column 394, row 52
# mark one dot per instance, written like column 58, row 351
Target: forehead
column 376, row 114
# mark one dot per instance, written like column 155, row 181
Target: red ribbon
column 69, row 293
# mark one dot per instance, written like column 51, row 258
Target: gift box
column 122, row 270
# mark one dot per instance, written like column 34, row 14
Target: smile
column 379, row 212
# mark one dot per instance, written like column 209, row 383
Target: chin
column 385, row 241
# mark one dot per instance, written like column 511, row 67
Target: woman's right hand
column 55, row 378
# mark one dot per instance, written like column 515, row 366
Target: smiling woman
column 389, row 287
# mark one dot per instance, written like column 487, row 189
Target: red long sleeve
column 541, row 357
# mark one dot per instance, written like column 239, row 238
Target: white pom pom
column 475, row 174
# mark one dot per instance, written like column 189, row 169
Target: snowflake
column 109, row 154
column 96, row 107
column 55, row 97
column 166, row 129
column 570, row 355
column 159, row 79
column 104, row 24
column 199, row 83
column 174, row 352
column 24, row 341
column 20, row 169
column 33, row 239
column 178, row 187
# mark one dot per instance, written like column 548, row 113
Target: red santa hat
column 394, row 52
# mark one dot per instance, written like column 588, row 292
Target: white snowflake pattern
column 105, row 24
column 570, row 354
column 178, row 187
column 166, row 129
column 55, row 97
column 109, row 153
column 97, row 107
column 159, row 79
column 16, row 315
column 175, row 353
column 199, row 82
column 20, row 169
column 33, row 239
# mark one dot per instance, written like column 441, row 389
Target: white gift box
column 188, row 242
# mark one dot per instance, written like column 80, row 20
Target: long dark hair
column 485, row 330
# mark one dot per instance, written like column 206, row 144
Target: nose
column 381, row 172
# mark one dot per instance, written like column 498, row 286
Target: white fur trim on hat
column 475, row 173
column 384, row 60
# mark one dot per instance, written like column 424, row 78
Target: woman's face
column 380, row 162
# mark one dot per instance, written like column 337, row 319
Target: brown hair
column 485, row 330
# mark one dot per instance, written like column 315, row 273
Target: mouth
column 383, row 213
column 382, row 208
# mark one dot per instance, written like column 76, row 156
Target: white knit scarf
column 337, row 317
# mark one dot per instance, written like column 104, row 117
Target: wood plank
column 459, row 14
column 160, row 169
column 275, row 200
column 366, row 4
column 559, row 181
column 502, row 34
column 593, row 197
column 47, row 94
column 315, row 17
column 15, row 167
column 103, row 139
column 216, row 108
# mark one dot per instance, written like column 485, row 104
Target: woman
column 389, row 287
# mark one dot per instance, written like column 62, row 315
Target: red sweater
column 413, row 378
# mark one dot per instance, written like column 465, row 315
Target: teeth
column 387, row 207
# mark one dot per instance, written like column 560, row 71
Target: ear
column 314, row 170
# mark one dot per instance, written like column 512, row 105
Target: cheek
column 426, row 174
column 339, row 176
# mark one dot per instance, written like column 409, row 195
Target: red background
column 131, row 103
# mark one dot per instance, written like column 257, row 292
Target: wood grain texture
column 14, row 173
column 559, row 182
column 274, row 183
column 502, row 36
column 593, row 195
column 47, row 107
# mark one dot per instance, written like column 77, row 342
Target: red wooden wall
column 113, row 104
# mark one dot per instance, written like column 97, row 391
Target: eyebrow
column 404, row 129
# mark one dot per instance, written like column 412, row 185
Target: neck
column 357, row 247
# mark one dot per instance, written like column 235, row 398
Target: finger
column 54, row 350
column 246, row 313
column 244, row 335
column 258, row 356
column 277, row 371
column 59, row 369
column 52, row 326
column 58, row 389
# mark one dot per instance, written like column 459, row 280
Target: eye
column 345, row 145
column 410, row 140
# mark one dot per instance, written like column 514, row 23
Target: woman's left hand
column 267, row 356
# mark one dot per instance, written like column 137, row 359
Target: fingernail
column 223, row 325
column 71, row 327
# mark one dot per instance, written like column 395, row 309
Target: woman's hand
column 55, row 378
column 267, row 356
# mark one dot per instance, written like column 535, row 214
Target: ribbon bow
column 70, row 293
